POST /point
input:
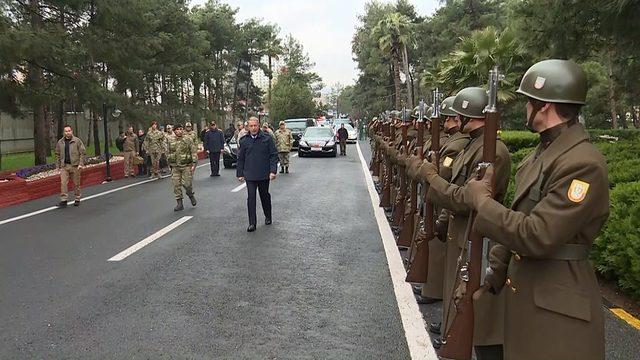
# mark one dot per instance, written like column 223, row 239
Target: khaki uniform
column 284, row 143
column 182, row 154
column 553, row 304
column 489, row 311
column 130, row 147
column 191, row 135
column 154, row 144
column 438, row 256
column 77, row 154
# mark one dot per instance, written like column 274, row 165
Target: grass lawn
column 25, row 160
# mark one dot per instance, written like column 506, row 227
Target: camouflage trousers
column 155, row 162
column 284, row 158
column 181, row 176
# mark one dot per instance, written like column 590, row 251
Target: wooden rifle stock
column 399, row 206
column 406, row 234
column 385, row 201
column 457, row 342
column 375, row 157
column 419, row 266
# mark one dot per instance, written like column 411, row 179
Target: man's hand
column 483, row 289
column 193, row 167
column 477, row 191
column 460, row 292
column 241, row 178
column 428, row 170
column 272, row 176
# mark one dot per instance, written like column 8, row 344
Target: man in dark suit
column 214, row 144
column 257, row 165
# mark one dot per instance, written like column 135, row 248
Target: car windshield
column 296, row 125
column 318, row 133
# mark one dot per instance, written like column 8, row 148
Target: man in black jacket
column 257, row 165
column 214, row 144
column 343, row 136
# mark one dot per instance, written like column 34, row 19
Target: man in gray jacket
column 70, row 153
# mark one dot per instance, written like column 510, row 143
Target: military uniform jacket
column 182, row 151
column 284, row 140
column 154, row 141
column 553, row 304
column 489, row 311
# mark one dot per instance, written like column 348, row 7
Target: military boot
column 286, row 169
column 281, row 169
column 192, row 197
column 178, row 207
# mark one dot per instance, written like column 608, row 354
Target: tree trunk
column 405, row 60
column 612, row 94
column 90, row 127
column 397, row 83
column 60, row 120
column 270, row 83
column 40, row 132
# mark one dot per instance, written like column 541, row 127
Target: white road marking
column 294, row 155
column 201, row 165
column 240, row 187
column 41, row 211
column 149, row 239
column 418, row 340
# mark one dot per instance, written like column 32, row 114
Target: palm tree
column 394, row 36
column 470, row 62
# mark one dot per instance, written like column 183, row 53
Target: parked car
column 297, row 127
column 318, row 141
column 230, row 154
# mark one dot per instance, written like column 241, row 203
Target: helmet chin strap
column 536, row 107
column 463, row 122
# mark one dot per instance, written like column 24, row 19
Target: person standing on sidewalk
column 70, row 153
column 143, row 168
column 130, row 150
column 284, row 142
column 154, row 144
column 343, row 135
column 257, row 165
column 214, row 145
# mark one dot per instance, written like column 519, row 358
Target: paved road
column 316, row 284
column 313, row 285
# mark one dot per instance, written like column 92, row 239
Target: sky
column 324, row 27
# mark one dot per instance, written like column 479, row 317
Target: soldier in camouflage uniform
column 284, row 142
column 183, row 157
column 188, row 132
column 154, row 144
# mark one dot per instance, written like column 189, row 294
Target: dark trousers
column 343, row 147
column 214, row 160
column 265, row 199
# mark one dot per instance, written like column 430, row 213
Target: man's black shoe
column 62, row 204
column 76, row 203
column 434, row 328
column 212, row 175
column 251, row 228
column 426, row 300
column 417, row 289
column 267, row 221
column 437, row 343
column 216, row 175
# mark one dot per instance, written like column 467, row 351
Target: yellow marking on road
column 630, row 319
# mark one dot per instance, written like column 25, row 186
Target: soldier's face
column 178, row 132
column 282, row 127
column 451, row 122
column 154, row 126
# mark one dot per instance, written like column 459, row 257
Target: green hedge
column 617, row 251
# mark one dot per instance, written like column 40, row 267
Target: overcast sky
column 325, row 28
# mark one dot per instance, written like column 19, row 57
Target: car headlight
column 303, row 143
column 330, row 143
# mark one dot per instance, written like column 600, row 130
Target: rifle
column 406, row 234
column 457, row 342
column 375, row 156
column 419, row 266
column 399, row 206
column 385, row 201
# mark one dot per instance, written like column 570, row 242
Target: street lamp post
column 107, row 155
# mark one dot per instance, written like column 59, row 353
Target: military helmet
column 554, row 80
column 187, row 124
column 445, row 107
column 416, row 112
column 428, row 112
column 177, row 126
column 470, row 102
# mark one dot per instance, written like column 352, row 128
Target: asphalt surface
column 314, row 285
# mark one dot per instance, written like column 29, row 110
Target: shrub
column 516, row 140
column 621, row 134
column 30, row 171
column 616, row 252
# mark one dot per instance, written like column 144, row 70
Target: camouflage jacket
column 192, row 135
column 181, row 151
column 154, row 142
column 284, row 140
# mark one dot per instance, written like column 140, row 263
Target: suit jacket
column 257, row 157
column 213, row 140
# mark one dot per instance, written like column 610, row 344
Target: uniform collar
column 551, row 134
